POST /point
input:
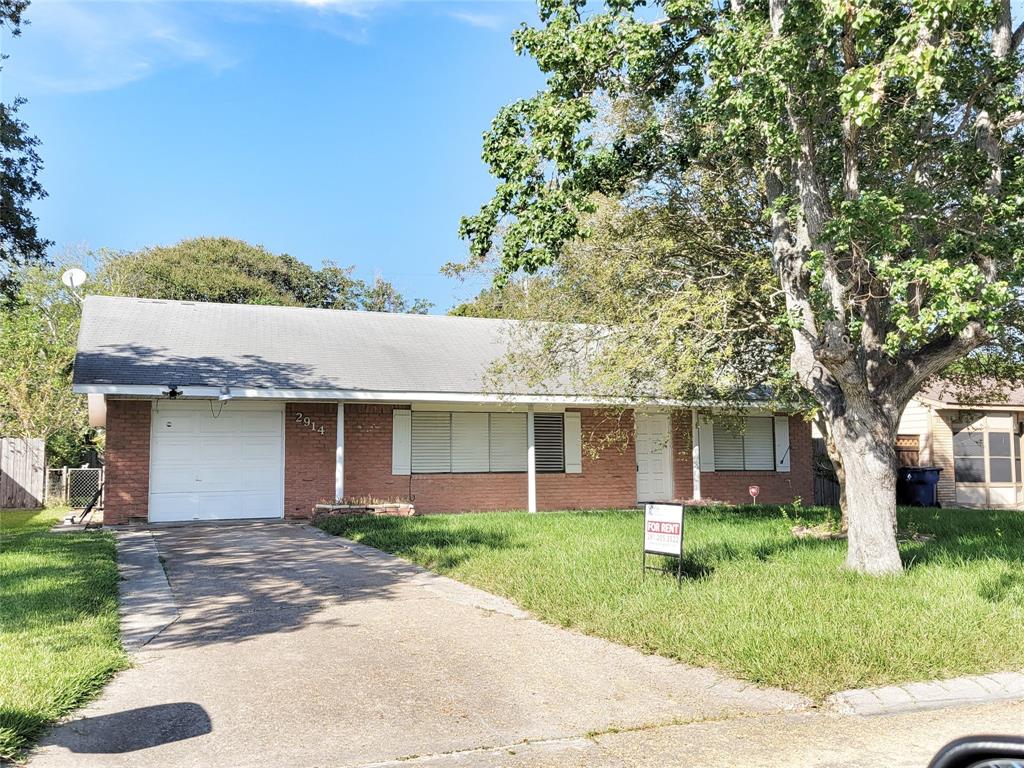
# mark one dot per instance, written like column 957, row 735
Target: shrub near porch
column 756, row 602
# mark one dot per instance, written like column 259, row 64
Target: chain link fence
column 73, row 486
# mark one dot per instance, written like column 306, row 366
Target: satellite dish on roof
column 73, row 278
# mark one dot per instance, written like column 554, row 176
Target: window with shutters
column 508, row 443
column 431, row 442
column 549, row 442
column 464, row 442
column 751, row 447
column 471, row 442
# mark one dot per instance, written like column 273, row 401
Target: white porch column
column 695, row 457
column 339, row 456
column 531, row 463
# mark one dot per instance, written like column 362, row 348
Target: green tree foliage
column 672, row 300
column 230, row 271
column 883, row 139
column 38, row 329
column 20, row 164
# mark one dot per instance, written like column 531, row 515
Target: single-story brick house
column 218, row 411
column 976, row 443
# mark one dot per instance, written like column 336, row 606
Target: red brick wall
column 609, row 466
column 607, row 480
column 126, row 461
column 309, row 457
column 682, row 455
column 368, row 453
column 776, row 487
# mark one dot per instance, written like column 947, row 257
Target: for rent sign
column 663, row 529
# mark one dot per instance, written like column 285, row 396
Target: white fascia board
column 397, row 396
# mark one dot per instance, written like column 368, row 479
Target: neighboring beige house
column 977, row 445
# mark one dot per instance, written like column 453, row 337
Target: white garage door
column 208, row 463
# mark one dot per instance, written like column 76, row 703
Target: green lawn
column 756, row 602
column 59, row 639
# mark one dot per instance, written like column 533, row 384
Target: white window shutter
column 573, row 443
column 470, row 442
column 758, row 444
column 508, row 442
column 401, row 442
column 431, row 442
column 782, row 443
column 706, row 443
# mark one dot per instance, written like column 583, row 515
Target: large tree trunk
column 866, row 443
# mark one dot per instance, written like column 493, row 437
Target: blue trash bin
column 918, row 486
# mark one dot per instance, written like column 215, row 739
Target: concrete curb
column 146, row 602
column 934, row 694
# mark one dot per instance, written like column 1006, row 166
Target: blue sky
column 337, row 129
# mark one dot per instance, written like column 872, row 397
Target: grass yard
column 756, row 602
column 59, row 639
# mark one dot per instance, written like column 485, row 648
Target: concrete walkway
column 294, row 648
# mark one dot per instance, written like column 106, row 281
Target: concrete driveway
column 293, row 648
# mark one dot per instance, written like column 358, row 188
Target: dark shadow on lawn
column 133, row 729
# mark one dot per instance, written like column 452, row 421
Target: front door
column 653, row 457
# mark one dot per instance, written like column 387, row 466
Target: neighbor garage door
column 213, row 463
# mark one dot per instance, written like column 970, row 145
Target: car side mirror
column 981, row 752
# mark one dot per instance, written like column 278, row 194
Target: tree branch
column 935, row 356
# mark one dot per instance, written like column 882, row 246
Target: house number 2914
column 308, row 422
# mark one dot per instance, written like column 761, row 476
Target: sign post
column 663, row 535
column 754, row 491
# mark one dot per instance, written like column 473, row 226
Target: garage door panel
column 261, row 422
column 225, row 424
column 175, row 422
column 174, row 449
column 259, row 451
column 168, row 507
column 172, row 480
column 260, row 479
column 221, row 448
column 208, row 467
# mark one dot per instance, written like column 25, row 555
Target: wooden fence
column 826, row 485
column 22, row 472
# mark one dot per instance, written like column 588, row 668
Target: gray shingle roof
column 125, row 341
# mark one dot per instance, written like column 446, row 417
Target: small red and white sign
column 754, row 491
column 663, row 529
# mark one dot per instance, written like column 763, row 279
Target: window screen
column 985, row 449
column 470, row 442
column 549, row 442
column 753, row 448
column 431, row 442
column 728, row 448
column 508, row 442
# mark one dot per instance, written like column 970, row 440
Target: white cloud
column 96, row 46
column 482, row 20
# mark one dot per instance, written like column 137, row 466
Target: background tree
column 883, row 138
column 230, row 271
column 38, row 330
column 20, row 164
